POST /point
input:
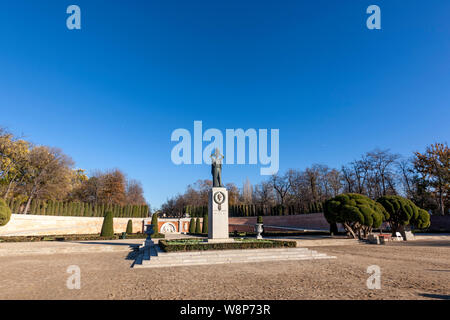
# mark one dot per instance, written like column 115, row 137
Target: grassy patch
column 202, row 244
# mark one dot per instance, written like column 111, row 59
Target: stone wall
column 312, row 221
column 175, row 225
column 439, row 223
column 27, row 225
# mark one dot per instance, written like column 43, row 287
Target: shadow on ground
column 435, row 296
column 131, row 245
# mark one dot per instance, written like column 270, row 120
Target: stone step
column 152, row 256
column 193, row 262
column 231, row 252
column 163, row 257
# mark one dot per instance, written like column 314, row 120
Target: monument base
column 218, row 214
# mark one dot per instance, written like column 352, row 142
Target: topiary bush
column 108, row 225
column 129, row 227
column 192, row 226
column 205, row 224
column 5, row 213
column 259, row 219
column 198, row 227
column 155, row 222
column 403, row 212
column 357, row 213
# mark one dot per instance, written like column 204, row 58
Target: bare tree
column 48, row 174
column 264, row 194
column 281, row 184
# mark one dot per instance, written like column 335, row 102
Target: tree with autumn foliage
column 433, row 165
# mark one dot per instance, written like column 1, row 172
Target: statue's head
column 216, row 156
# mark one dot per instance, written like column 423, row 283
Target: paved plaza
column 417, row 269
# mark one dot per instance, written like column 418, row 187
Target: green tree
column 192, row 226
column 205, row 224
column 403, row 212
column 434, row 166
column 108, row 225
column 5, row 213
column 357, row 213
column 155, row 223
column 129, row 227
column 198, row 227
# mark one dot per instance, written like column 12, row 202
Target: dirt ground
column 413, row 270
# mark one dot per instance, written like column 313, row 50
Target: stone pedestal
column 218, row 215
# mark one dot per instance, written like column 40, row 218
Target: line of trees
column 34, row 174
column 423, row 178
column 82, row 209
column 251, row 210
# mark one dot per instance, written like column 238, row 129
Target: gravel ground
column 413, row 270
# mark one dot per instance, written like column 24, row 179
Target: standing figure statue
column 216, row 168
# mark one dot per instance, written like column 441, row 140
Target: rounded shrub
column 129, row 227
column 404, row 212
column 356, row 212
column 5, row 213
column 108, row 225
column 259, row 219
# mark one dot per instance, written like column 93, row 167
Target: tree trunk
column 441, row 202
column 10, row 187
column 349, row 229
column 27, row 207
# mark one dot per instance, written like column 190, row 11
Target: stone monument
column 217, row 203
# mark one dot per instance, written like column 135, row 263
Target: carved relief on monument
column 168, row 227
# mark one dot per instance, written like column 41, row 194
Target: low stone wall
column 312, row 221
column 33, row 225
column 439, row 223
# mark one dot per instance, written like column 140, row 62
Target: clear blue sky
column 111, row 94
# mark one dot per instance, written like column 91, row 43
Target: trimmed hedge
column 198, row 227
column 250, row 210
column 5, row 213
column 108, row 225
column 155, row 222
column 129, row 227
column 192, row 226
column 255, row 244
column 205, row 224
column 78, row 209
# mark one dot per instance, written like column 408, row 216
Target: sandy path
column 414, row 270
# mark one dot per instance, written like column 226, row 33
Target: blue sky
column 111, row 94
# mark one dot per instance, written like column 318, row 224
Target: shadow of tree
column 436, row 296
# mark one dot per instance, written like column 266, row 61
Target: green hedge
column 108, row 225
column 129, row 227
column 205, row 224
column 78, row 209
column 251, row 210
column 254, row 244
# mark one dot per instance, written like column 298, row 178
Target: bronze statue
column 216, row 168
